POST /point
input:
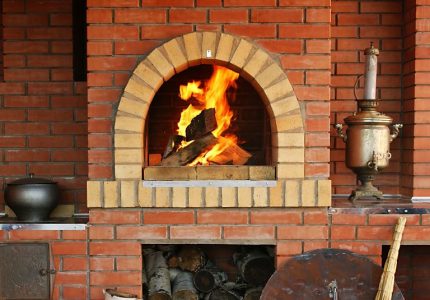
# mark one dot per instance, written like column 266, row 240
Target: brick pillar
column 420, row 110
column 408, row 94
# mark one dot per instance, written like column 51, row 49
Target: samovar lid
column 368, row 114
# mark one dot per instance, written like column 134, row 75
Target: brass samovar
column 368, row 135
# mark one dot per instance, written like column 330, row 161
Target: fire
column 211, row 95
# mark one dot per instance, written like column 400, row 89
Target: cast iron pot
column 32, row 199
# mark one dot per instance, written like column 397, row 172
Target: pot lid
column 32, row 180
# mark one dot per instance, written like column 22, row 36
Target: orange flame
column 212, row 95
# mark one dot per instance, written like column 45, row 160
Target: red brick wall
column 354, row 25
column 120, row 33
column 116, row 235
column 1, row 42
column 43, row 114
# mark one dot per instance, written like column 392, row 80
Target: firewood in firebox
column 256, row 266
column 209, row 278
column 190, row 152
column 173, row 144
column 191, row 258
column 202, row 124
column 253, row 293
column 232, row 155
column 222, row 294
column 159, row 277
column 183, row 287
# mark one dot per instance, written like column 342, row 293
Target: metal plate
column 308, row 276
column 20, row 271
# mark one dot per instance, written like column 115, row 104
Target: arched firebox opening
column 250, row 121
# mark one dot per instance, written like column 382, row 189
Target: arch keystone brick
column 193, row 47
column 256, row 63
column 133, row 107
column 281, row 89
column 270, row 74
column 226, row 46
column 209, row 46
column 161, row 64
column 292, row 122
column 175, row 55
column 284, row 106
column 243, row 51
column 127, row 123
column 138, row 89
column 146, row 72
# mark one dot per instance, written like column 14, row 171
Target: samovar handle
column 396, row 130
column 339, row 130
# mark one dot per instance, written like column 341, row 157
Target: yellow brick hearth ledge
column 284, row 193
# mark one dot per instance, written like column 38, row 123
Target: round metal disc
column 309, row 275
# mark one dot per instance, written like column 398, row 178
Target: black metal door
column 24, row 271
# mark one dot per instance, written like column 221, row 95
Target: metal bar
column 38, row 226
column 209, row 183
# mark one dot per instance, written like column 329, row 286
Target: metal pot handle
column 339, row 130
column 396, row 130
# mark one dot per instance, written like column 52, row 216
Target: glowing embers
column 202, row 135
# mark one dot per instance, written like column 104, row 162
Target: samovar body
column 368, row 146
column 367, row 151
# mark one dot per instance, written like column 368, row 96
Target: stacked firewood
column 185, row 273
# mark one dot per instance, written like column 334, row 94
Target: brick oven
column 297, row 62
column 204, row 204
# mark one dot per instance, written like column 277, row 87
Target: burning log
column 190, row 152
column 201, row 125
column 209, row 278
column 183, row 287
column 256, row 267
column 233, row 154
column 159, row 276
column 173, row 145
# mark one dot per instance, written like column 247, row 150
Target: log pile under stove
column 199, row 132
column 188, row 273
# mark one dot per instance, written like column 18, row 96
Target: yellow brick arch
column 241, row 55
